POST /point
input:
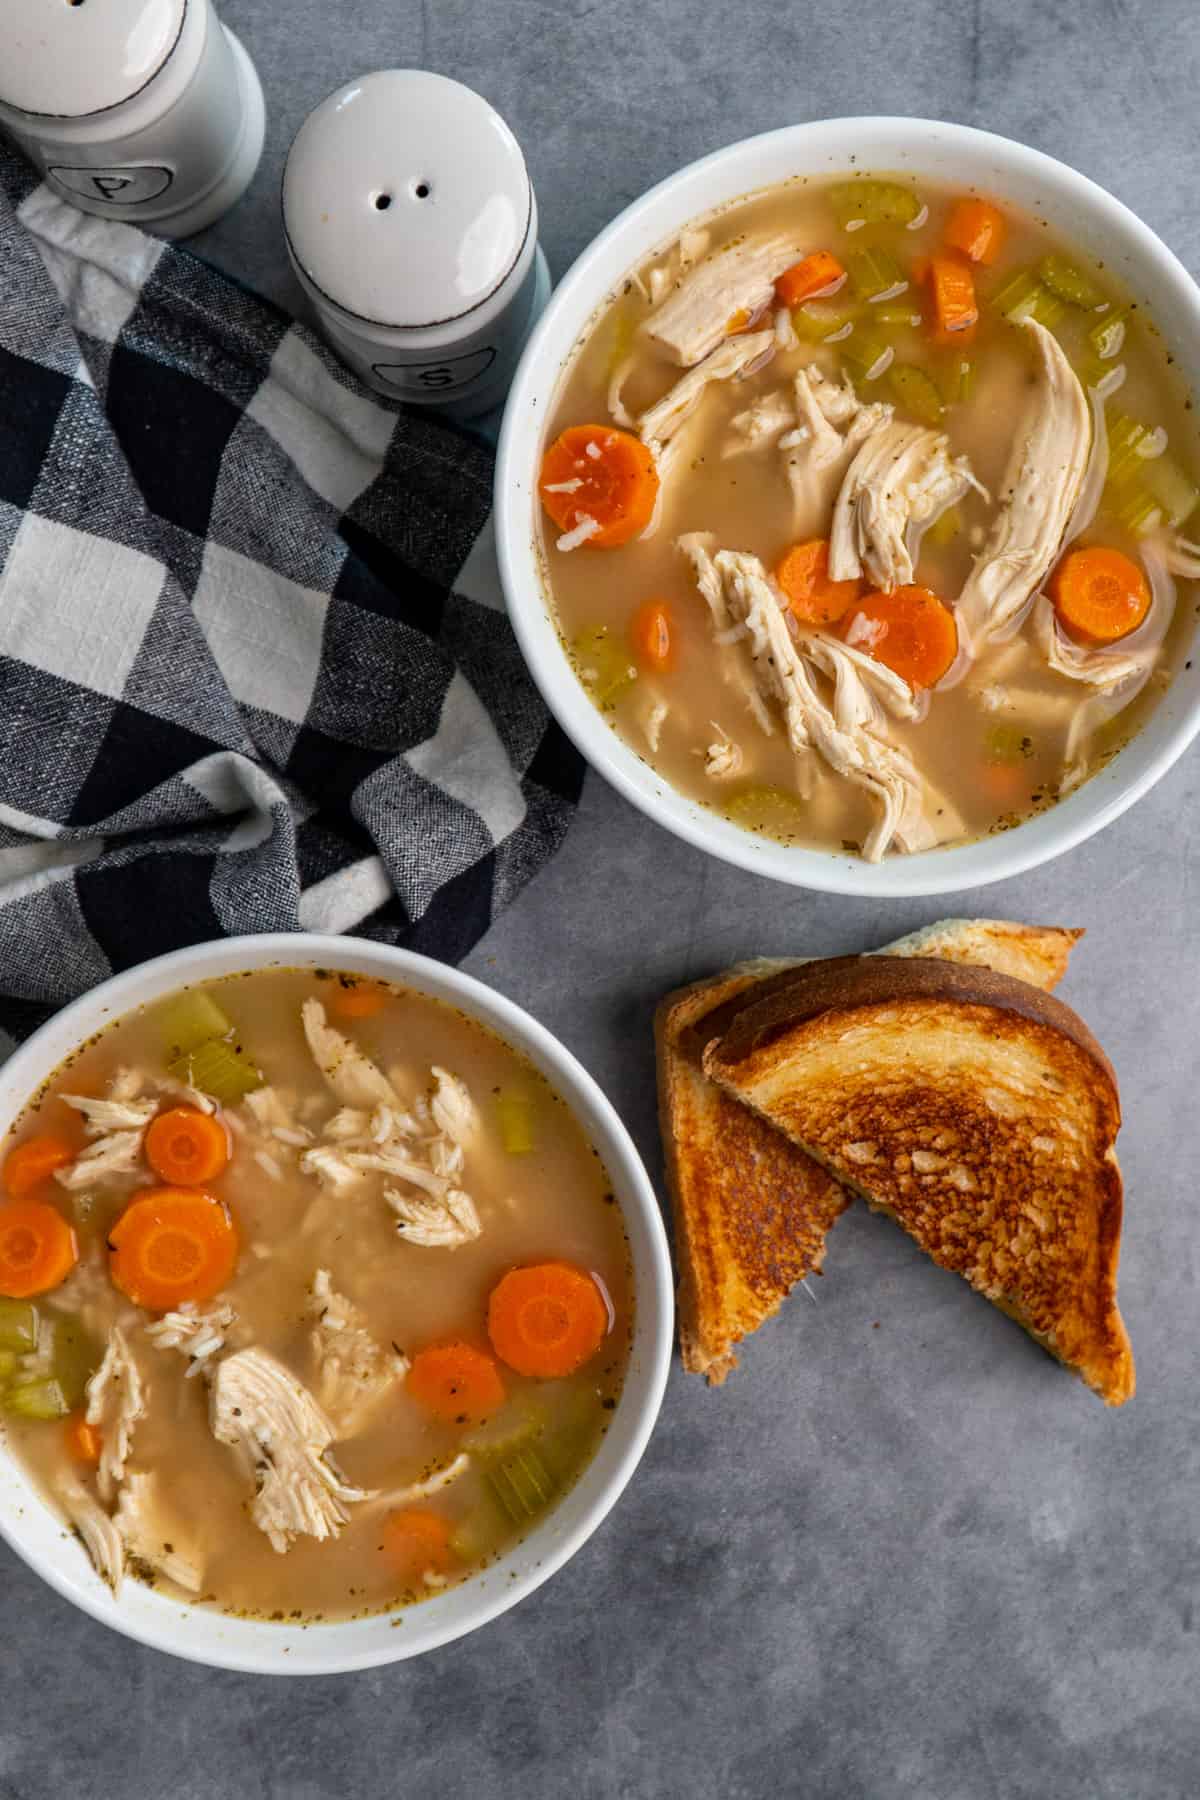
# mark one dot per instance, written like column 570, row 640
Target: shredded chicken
column 152, row 1537
column 351, row 1074
column 737, row 279
column 102, row 1116
column 723, row 757
column 423, row 1150
column 653, row 721
column 452, row 1107
column 354, row 1372
column 760, row 425
column 858, row 752
column 443, row 1221
column 901, row 474
column 116, row 1401
column 101, row 1539
column 197, row 1332
column 281, row 1437
column 728, row 362
column 1042, row 482
column 837, row 659
column 423, row 1490
column 833, row 425
column 116, row 1124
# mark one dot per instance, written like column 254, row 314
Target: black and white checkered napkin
column 255, row 672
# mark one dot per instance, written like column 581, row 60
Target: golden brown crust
column 751, row 1211
column 978, row 1112
column 754, row 1021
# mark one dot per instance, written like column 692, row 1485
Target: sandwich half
column 752, row 1208
column 978, row 1112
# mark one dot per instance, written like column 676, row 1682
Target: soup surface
column 862, row 516
column 316, row 1295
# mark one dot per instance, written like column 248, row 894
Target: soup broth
column 1051, row 424
column 391, row 1163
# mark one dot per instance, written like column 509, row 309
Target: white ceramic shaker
column 144, row 110
column 412, row 225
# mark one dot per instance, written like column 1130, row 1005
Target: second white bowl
column 953, row 155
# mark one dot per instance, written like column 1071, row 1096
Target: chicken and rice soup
column 864, row 515
column 313, row 1295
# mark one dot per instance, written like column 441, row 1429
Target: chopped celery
column 873, row 272
column 815, row 321
column 522, row 1484
column 769, row 809
column 8, row 1363
column 573, row 1438
column 874, row 202
column 915, row 393
column 957, row 380
column 621, row 341
column 1107, row 335
column 897, row 313
column 514, row 1111
column 1091, row 371
column 1025, row 297
column 191, row 1019
column 1070, row 283
column 1007, row 744
column 945, row 527
column 37, row 1400
column 509, row 1431
column 1167, row 483
column 18, row 1325
column 219, row 1069
column 605, row 665
column 477, row 1535
column 1124, row 437
column 867, row 354
column 1138, row 512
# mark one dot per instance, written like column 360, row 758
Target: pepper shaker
column 144, row 110
column 411, row 223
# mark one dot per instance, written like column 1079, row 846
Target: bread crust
column 783, row 1031
column 752, row 1210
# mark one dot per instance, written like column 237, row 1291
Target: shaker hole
column 382, row 201
column 74, row 2
column 421, row 191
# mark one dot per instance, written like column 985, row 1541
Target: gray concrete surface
column 900, row 1554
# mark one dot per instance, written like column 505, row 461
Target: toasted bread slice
column 752, row 1211
column 978, row 1112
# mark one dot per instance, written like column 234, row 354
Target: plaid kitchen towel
column 255, row 672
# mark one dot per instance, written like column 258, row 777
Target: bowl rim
column 581, row 292
column 635, row 1415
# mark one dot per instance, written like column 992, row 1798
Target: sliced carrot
column 597, row 472
column 803, row 574
column 417, row 1540
column 977, row 229
column 32, row 1163
column 548, row 1320
column 1004, row 783
column 952, row 293
column 456, row 1382
column 357, row 999
column 910, row 630
column 815, row 274
column 738, row 322
column 1099, row 594
column 84, row 1442
column 172, row 1244
column 186, row 1147
column 650, row 634
column 37, row 1248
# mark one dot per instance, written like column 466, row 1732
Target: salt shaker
column 144, row 110
column 411, row 223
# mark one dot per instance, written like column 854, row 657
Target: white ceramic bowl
column 959, row 157
column 207, row 1636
